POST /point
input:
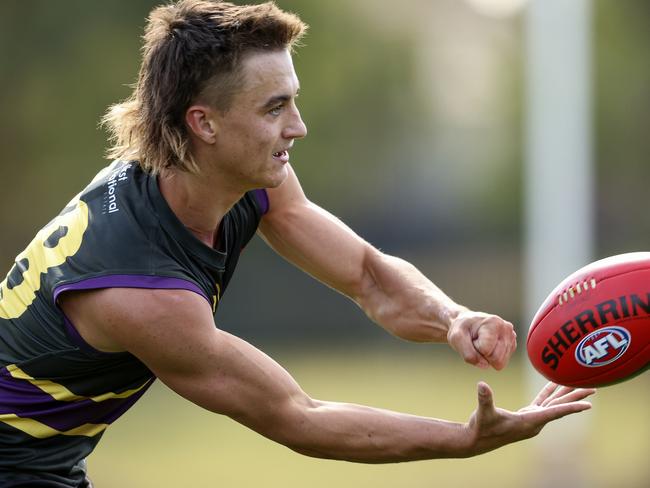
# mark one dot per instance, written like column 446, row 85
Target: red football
column 594, row 327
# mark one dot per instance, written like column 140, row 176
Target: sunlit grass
column 165, row 441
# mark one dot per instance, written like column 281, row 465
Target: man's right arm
column 173, row 333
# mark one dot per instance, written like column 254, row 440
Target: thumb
column 460, row 339
column 485, row 397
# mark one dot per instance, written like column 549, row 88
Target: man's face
column 255, row 134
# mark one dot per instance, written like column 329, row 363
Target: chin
column 276, row 178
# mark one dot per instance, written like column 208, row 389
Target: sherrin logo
column 603, row 346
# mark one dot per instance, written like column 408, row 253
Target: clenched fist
column 482, row 339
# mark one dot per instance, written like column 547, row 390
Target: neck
column 198, row 202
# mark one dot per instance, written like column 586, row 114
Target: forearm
column 392, row 292
column 255, row 391
column 369, row 435
column 401, row 299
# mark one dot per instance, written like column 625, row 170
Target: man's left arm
column 391, row 291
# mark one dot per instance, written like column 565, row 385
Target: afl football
column 594, row 328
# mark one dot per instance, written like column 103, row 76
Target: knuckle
column 453, row 337
column 487, row 345
column 471, row 359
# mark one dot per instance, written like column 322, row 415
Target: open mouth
column 281, row 154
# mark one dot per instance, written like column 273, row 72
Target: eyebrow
column 278, row 99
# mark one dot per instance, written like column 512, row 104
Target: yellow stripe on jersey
column 40, row 256
column 61, row 393
column 42, row 431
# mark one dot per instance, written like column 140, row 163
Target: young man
column 122, row 286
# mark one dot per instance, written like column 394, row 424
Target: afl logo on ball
column 603, row 346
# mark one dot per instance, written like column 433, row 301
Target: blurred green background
column 415, row 113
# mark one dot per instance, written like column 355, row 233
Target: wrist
column 461, row 442
column 437, row 322
column 449, row 313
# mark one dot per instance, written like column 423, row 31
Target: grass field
column 165, row 441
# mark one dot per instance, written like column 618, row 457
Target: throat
column 210, row 239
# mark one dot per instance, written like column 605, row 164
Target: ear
column 202, row 123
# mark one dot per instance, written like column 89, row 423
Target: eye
column 275, row 111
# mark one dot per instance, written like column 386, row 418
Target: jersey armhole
column 262, row 200
column 118, row 281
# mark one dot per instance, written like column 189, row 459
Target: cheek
column 251, row 140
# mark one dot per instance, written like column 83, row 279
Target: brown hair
column 192, row 49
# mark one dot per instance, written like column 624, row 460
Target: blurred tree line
column 380, row 154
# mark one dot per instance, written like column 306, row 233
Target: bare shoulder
column 125, row 319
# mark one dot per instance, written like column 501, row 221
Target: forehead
column 268, row 74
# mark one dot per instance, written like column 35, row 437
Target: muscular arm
column 392, row 292
column 173, row 333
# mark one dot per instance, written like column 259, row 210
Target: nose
column 296, row 128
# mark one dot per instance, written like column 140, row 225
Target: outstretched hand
column 491, row 427
column 482, row 339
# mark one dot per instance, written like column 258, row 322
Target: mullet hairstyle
column 192, row 51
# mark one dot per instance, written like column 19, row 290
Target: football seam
column 555, row 305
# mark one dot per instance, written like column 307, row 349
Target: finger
column 571, row 396
column 544, row 393
column 477, row 358
column 462, row 343
column 543, row 416
column 496, row 341
column 499, row 357
column 557, row 393
column 485, row 339
column 510, row 348
column 513, row 342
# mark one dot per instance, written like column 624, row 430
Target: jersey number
column 55, row 242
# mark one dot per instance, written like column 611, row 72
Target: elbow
column 296, row 428
column 368, row 292
column 288, row 424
